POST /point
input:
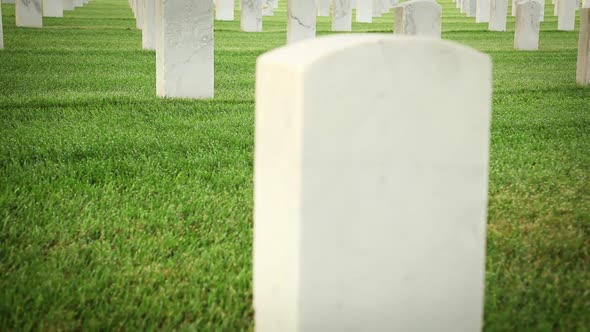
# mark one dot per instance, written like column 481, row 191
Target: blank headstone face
column 370, row 185
column 472, row 8
column 566, row 15
column 364, row 11
column 418, row 17
column 78, row 3
column 341, row 15
column 184, row 48
column 68, row 4
column 29, row 13
column 498, row 12
column 482, row 11
column 526, row 32
column 583, row 66
column 267, row 8
column 148, row 33
column 377, row 8
column 323, row 7
column 139, row 14
column 224, row 10
column 53, row 8
column 251, row 15
column 301, row 20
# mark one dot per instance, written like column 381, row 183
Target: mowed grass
column 120, row 210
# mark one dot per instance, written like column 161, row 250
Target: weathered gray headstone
column 53, row 8
column 148, row 33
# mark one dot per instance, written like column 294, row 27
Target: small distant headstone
column 1, row 31
column 498, row 12
column 341, row 15
column 418, row 17
column 184, row 49
column 364, row 11
column 251, row 15
column 267, row 8
column 482, row 11
column 29, row 13
column 224, row 10
column 370, row 185
column 68, row 4
column 139, row 14
column 148, row 33
column 566, row 15
column 583, row 66
column 53, row 8
column 526, row 33
column 301, row 20
column 323, row 7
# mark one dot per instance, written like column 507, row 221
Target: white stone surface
column 583, row 66
column 301, row 20
column 139, row 14
column 341, row 15
column 418, row 17
column 251, row 15
column 364, row 11
column 78, row 3
column 482, row 11
column 471, row 8
column 267, row 8
column 224, row 10
column 68, row 4
column 1, row 31
column 526, row 31
column 370, row 185
column 148, row 31
column 566, row 15
column 29, row 13
column 53, row 8
column 323, row 7
column 377, row 8
column 184, row 48
column 498, row 13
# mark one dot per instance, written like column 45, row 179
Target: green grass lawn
column 120, row 210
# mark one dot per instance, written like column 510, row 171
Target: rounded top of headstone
column 302, row 54
column 429, row 3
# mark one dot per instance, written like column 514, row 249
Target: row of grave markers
column 184, row 61
column 30, row 13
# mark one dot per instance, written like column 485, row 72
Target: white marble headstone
column 1, row 31
column 583, row 66
column 341, row 15
column 184, row 49
column 301, row 20
column 139, row 14
column 68, row 4
column 364, row 11
column 267, row 8
column 526, row 31
column 370, row 185
column 418, row 17
column 566, row 15
column 251, row 15
column 53, row 8
column 29, row 13
column 323, row 7
column 498, row 13
column 482, row 11
column 148, row 31
column 224, row 10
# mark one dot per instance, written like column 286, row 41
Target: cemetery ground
column 121, row 210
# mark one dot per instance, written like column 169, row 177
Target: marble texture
column 498, row 13
column 8, row 1
column 583, row 65
column 29, row 13
column 301, row 20
column 268, row 8
column 251, row 15
column 341, row 15
column 68, row 4
column 418, row 17
column 482, row 11
column 323, row 7
column 224, row 10
column 364, row 11
column 53, row 8
column 184, row 49
column 139, row 14
column 377, row 8
column 566, row 15
column 148, row 31
column 370, row 185
column 526, row 31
